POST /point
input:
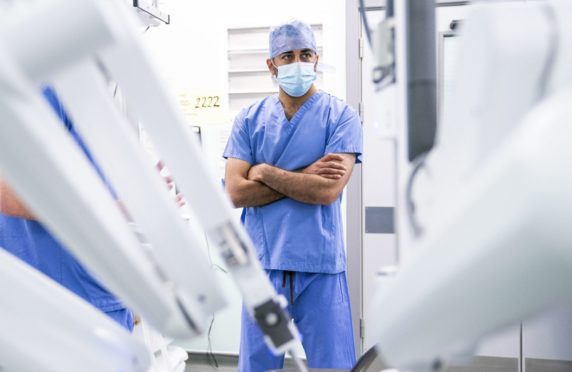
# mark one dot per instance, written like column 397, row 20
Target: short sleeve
column 238, row 145
column 347, row 136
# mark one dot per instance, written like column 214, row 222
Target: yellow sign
column 201, row 109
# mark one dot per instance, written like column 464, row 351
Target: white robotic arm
column 66, row 335
column 494, row 202
column 142, row 192
column 41, row 161
column 501, row 254
column 169, row 284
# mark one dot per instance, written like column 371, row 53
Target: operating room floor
column 207, row 368
column 199, row 363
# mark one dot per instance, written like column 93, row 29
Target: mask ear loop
column 274, row 76
column 275, row 67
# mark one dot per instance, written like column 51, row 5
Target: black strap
column 291, row 275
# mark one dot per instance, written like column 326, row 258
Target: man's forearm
column 306, row 188
column 254, row 194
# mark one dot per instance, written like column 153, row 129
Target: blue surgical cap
column 290, row 36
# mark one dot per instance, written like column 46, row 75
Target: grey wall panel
column 486, row 364
column 548, row 337
column 379, row 220
column 545, row 365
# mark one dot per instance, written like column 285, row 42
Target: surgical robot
column 143, row 252
column 484, row 197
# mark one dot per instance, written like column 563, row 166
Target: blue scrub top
column 290, row 235
column 32, row 243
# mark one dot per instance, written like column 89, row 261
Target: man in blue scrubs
column 27, row 239
column 289, row 157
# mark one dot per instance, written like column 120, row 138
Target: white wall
column 192, row 56
column 191, row 52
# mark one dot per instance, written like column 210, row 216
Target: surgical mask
column 296, row 78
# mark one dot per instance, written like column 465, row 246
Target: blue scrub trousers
column 320, row 307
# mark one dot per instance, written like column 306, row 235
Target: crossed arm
column 319, row 183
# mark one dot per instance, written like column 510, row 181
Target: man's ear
column 271, row 67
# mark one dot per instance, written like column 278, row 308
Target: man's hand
column 255, row 173
column 11, row 205
column 320, row 183
column 243, row 191
column 330, row 166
